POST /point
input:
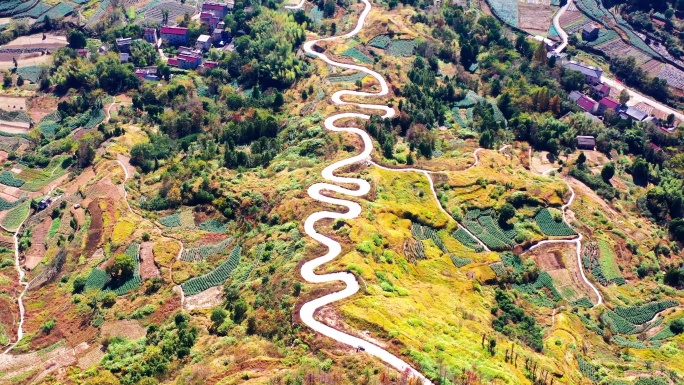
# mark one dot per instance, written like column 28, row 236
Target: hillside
column 334, row 193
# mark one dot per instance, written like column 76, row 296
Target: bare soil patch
column 95, row 230
column 535, row 18
column 37, row 250
column 40, row 106
column 206, row 299
column 20, row 128
column 36, row 40
column 147, row 267
column 12, row 103
column 129, row 329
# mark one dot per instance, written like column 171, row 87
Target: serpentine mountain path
column 353, row 209
column 20, row 300
column 576, row 241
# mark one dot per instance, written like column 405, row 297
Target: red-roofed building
column 209, row 19
column 607, row 104
column 602, row 90
column 189, row 61
column 210, row 64
column 174, row 35
column 217, row 9
column 172, row 62
column 587, row 104
column 150, row 36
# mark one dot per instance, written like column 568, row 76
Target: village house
column 147, row 73
column 592, row 75
column 575, row 96
column 634, row 114
column 601, row 90
column 586, row 142
column 203, row 42
column 587, row 104
column 150, row 36
column 124, row 44
column 124, row 57
column 174, row 35
column 590, row 32
column 188, row 58
column 606, row 104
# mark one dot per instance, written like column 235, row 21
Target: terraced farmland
column 551, row 227
column 483, row 226
column 216, row 277
column 175, row 10
column 201, row 253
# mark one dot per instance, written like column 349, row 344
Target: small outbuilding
column 590, row 32
column 586, row 142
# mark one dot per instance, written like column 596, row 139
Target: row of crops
column 665, row 333
column 9, row 179
column 596, row 11
column 551, row 227
column 36, row 179
column 351, row 78
column 505, row 10
column 34, row 11
column 635, row 319
column 591, row 262
column 582, row 302
column 588, row 369
column 216, row 277
column 5, row 205
column 95, row 18
column 357, row 55
column 467, row 240
column 16, row 216
column 211, row 225
column 425, row 232
column 201, row 253
column 135, row 281
column 30, row 73
column 482, row 225
column 394, row 47
column 54, row 116
column 172, row 220
column 15, row 116
column 13, row 7
column 534, row 290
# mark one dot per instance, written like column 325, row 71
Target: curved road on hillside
column 353, row 209
column 577, row 241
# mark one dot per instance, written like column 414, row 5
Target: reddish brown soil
column 40, row 106
column 147, row 267
column 95, row 229
column 37, row 251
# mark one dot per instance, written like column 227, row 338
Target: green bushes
column 483, row 226
column 513, row 321
column 582, row 302
column 97, row 279
column 134, row 281
column 213, row 226
column 634, row 319
column 5, row 205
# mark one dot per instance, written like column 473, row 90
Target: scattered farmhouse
column 124, row 44
column 203, row 42
column 174, row 35
column 634, row 114
column 150, row 36
column 587, row 104
column 601, row 90
column 592, row 75
column 575, row 96
column 147, row 73
column 586, row 142
column 590, row 32
column 606, row 104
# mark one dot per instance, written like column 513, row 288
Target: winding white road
column 353, row 209
column 578, row 246
column 556, row 24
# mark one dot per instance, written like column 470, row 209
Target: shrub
column 47, row 326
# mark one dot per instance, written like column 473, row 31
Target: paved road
column 20, row 300
column 556, row 23
column 353, row 209
column 578, row 246
column 635, row 97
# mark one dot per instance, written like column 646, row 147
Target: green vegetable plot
column 135, row 281
column 351, row 78
column 97, row 279
column 5, row 205
column 380, row 41
column 216, row 277
column 401, row 48
column 172, row 220
column 467, row 240
column 551, row 227
column 203, row 252
column 16, row 216
column 357, row 55
column 483, row 226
